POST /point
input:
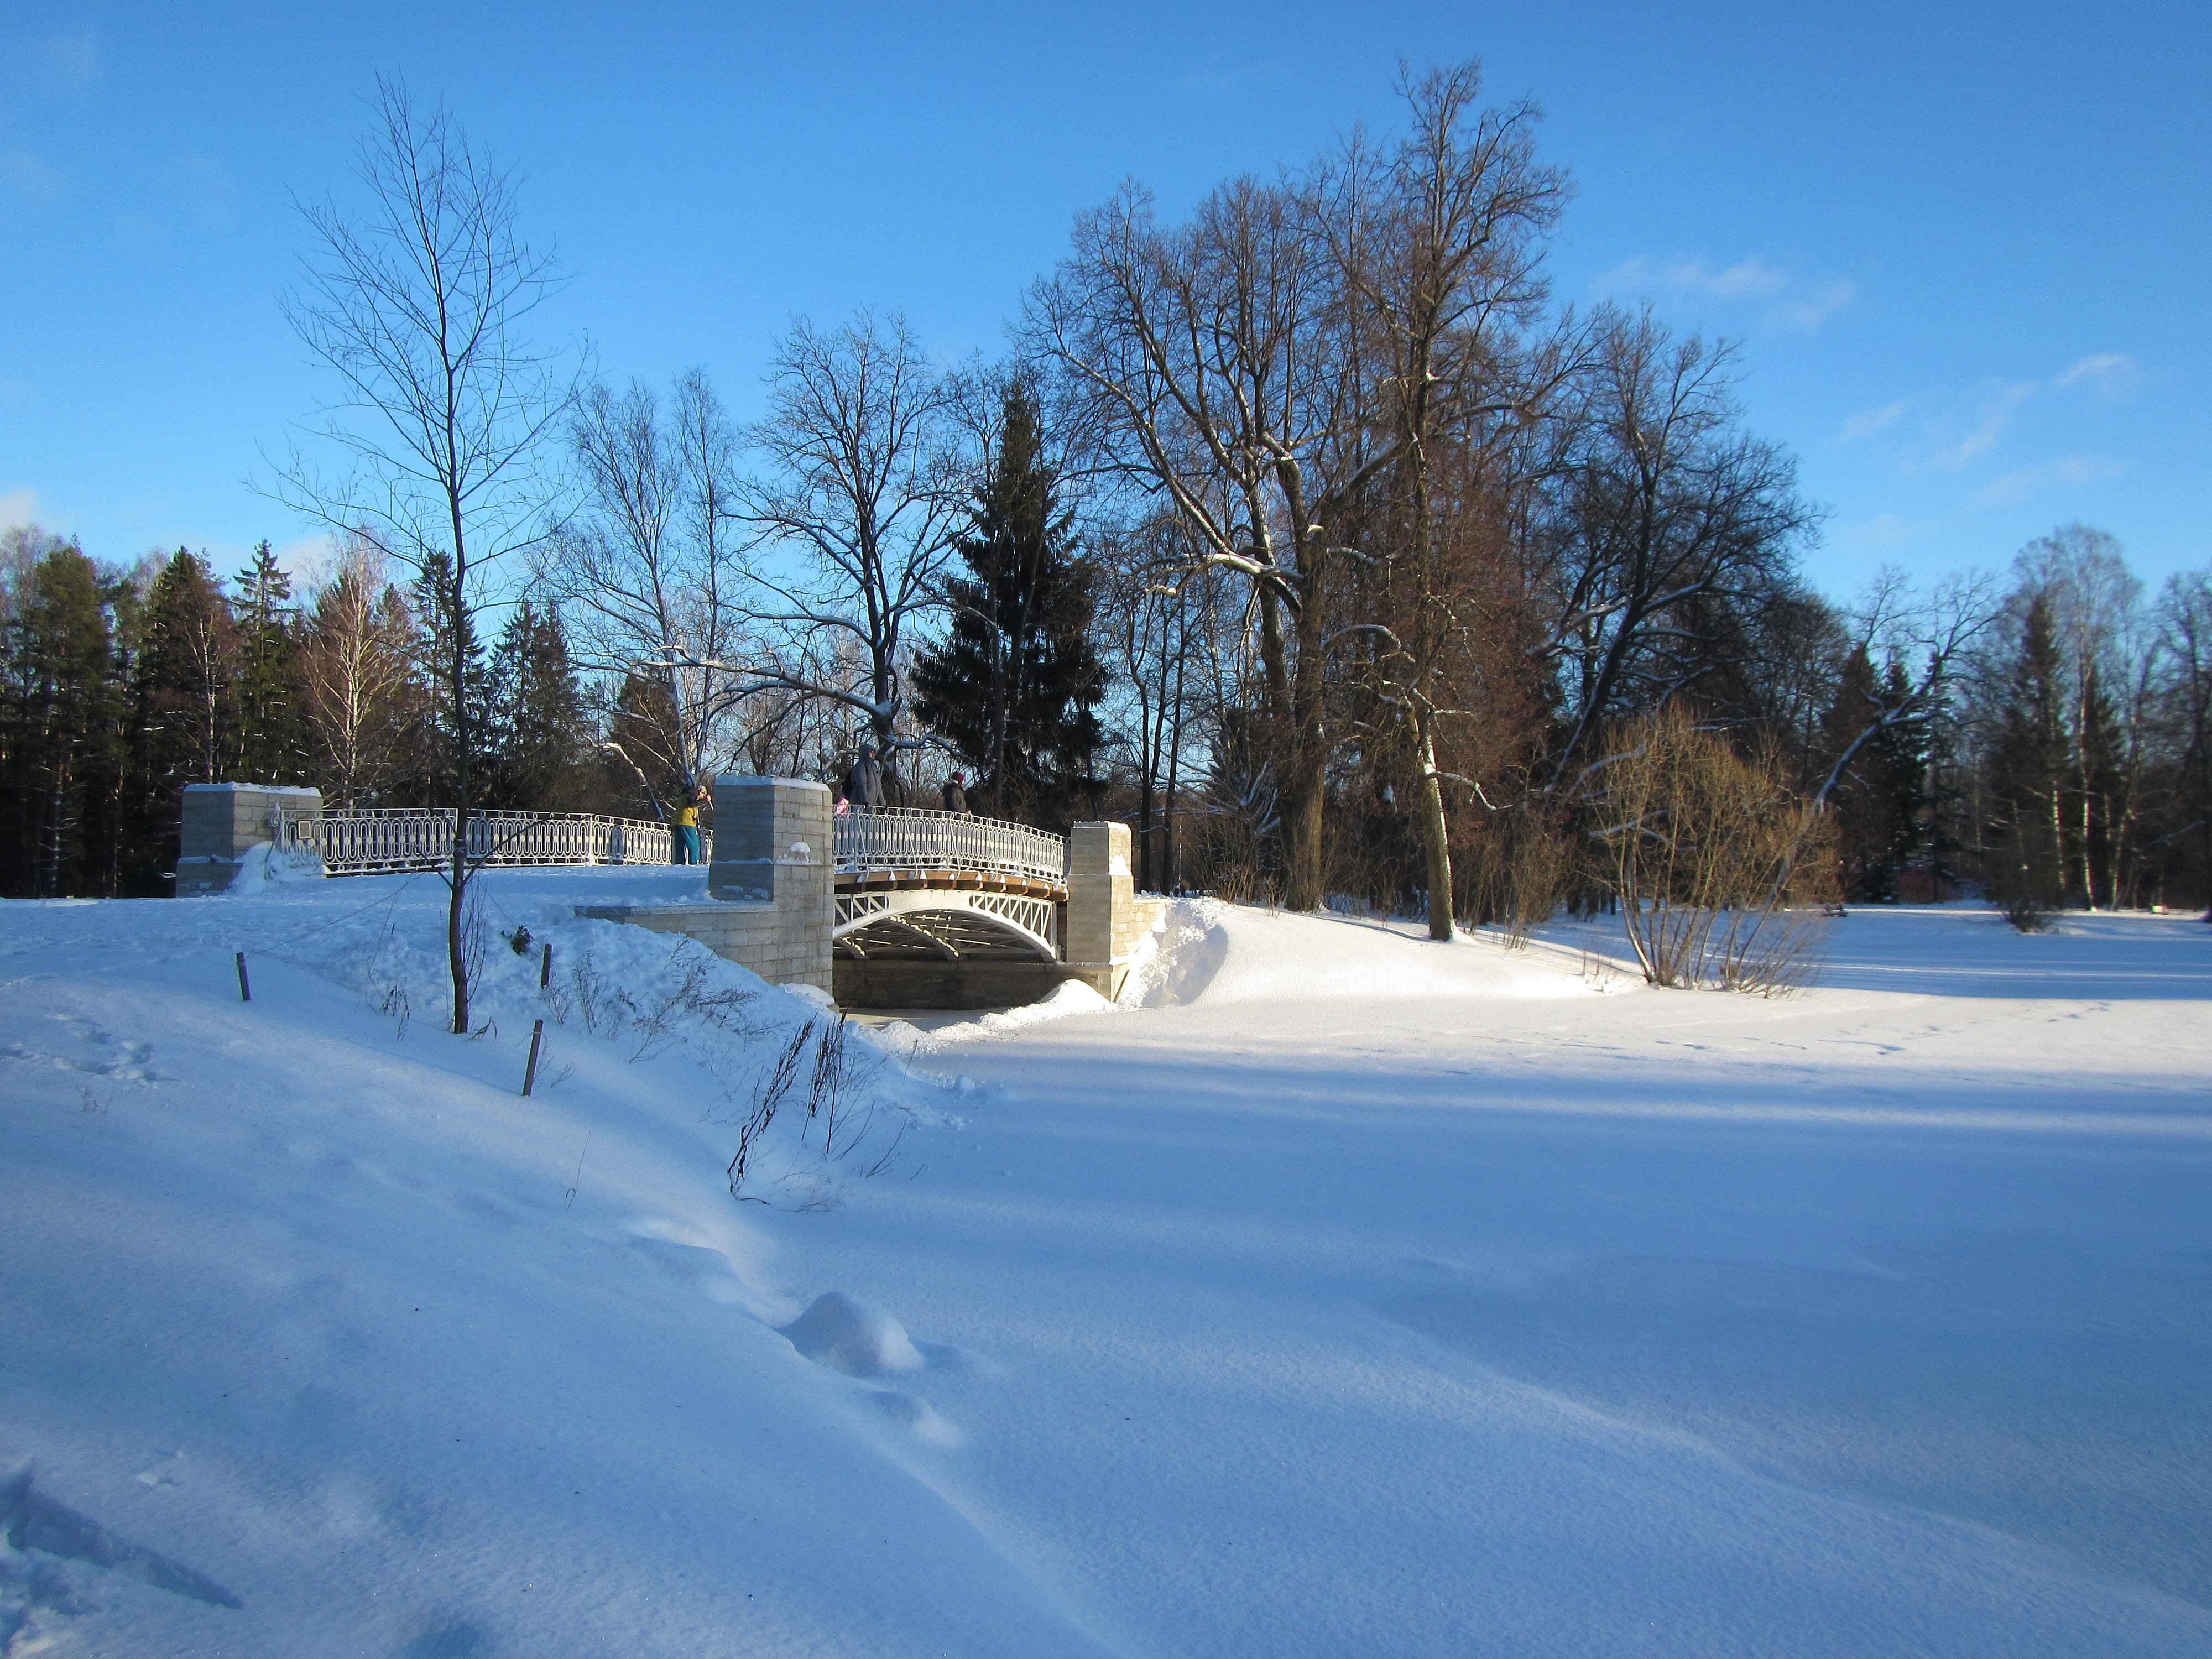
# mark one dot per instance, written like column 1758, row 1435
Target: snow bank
column 1352, row 1295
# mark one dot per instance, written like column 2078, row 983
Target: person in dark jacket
column 955, row 794
column 864, row 784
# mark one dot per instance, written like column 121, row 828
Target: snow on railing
column 363, row 839
column 914, row 838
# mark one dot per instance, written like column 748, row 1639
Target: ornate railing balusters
column 913, row 838
column 363, row 841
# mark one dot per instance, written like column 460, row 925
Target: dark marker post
column 530, row 1071
column 545, row 968
column 245, row 990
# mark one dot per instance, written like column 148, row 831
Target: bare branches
column 867, row 481
column 417, row 304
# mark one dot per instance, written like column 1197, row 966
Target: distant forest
column 1305, row 534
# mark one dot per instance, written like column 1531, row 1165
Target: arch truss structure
column 943, row 886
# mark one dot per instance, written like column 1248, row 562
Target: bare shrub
column 768, row 1096
column 694, row 1001
column 1534, row 884
column 1721, row 870
column 596, row 1004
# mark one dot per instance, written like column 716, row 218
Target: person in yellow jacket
column 683, row 844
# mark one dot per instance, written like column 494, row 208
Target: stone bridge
column 897, row 907
column 884, row 908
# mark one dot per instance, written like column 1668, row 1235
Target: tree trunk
column 1308, row 760
column 1436, row 835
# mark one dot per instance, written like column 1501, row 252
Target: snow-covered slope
column 1355, row 1295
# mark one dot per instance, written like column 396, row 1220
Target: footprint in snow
column 35, row 1524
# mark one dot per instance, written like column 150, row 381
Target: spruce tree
column 444, row 732
column 272, row 733
column 184, row 696
column 1901, row 756
column 537, row 733
column 1861, row 801
column 2026, row 866
column 1015, row 686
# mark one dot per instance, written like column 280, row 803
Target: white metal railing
column 916, row 838
column 365, row 840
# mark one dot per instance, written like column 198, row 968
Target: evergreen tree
column 638, row 728
column 2026, row 862
column 443, row 730
column 1861, row 803
column 1015, row 686
column 57, row 823
column 272, row 731
column 1901, row 757
column 537, row 733
column 184, row 696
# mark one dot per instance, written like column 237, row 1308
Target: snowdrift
column 1338, row 1292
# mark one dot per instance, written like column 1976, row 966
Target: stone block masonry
column 222, row 821
column 770, row 906
column 1100, row 924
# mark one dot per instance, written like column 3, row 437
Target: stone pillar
column 771, row 906
column 1100, row 929
column 773, row 845
column 221, row 821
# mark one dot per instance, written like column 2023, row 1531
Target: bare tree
column 417, row 305
column 650, row 572
column 1929, row 639
column 1666, row 524
column 1249, row 366
column 866, row 486
column 355, row 657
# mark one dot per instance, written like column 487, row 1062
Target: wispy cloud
column 2113, row 375
column 1892, row 530
column 308, row 562
column 18, row 506
column 2027, row 481
column 1785, row 301
column 1977, row 421
column 1868, row 422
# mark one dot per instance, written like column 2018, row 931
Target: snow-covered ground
column 1356, row 1296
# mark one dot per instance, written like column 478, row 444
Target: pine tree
column 537, row 731
column 272, row 733
column 1015, row 686
column 62, row 757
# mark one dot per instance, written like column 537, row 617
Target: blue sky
column 1965, row 247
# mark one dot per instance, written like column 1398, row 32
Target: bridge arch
column 946, row 924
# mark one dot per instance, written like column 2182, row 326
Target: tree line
column 1306, row 531
column 122, row 685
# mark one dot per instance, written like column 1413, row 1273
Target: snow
column 1338, row 1292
